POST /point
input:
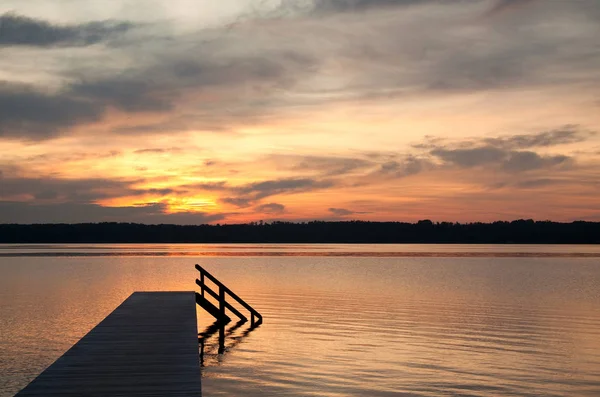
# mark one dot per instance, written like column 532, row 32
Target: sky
column 234, row 111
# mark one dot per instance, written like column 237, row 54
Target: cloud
column 157, row 150
column 323, row 165
column 243, row 196
column 27, row 213
column 26, row 113
column 29, row 113
column 560, row 136
column 124, row 94
column 471, row 157
column 270, row 208
column 525, row 161
column 81, row 191
column 345, row 212
column 360, row 5
column 210, row 186
column 507, row 153
column 535, row 183
column 326, row 7
column 406, row 166
column 222, row 78
column 17, row 30
column 239, row 202
column 340, row 211
column 260, row 190
column 225, row 89
column 501, row 6
column 508, row 160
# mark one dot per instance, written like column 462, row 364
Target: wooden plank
column 148, row 346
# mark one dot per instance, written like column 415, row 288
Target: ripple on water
column 337, row 326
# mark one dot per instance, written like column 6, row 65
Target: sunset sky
column 204, row 111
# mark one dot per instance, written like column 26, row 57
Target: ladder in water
column 219, row 312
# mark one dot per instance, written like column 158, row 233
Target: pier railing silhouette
column 221, row 296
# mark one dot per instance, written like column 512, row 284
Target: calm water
column 357, row 320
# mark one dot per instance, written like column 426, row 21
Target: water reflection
column 311, row 250
column 209, row 344
column 336, row 326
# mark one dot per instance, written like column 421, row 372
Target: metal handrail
column 220, row 296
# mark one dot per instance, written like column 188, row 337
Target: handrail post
column 222, row 312
column 202, row 283
column 221, row 300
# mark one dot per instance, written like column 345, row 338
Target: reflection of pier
column 208, row 344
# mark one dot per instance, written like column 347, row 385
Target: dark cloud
column 26, row 113
column 82, row 191
column 211, row 186
column 239, row 87
column 46, row 195
column 535, row 183
column 345, row 212
column 407, row 166
column 73, row 156
column 156, row 86
column 43, row 200
column 526, row 161
column 219, row 79
column 444, row 63
column 270, row 208
column 19, row 212
column 329, row 166
column 471, row 157
column 251, row 192
column 24, row 31
column 259, row 190
column 161, row 192
column 340, row 211
column 359, row 5
column 560, row 136
column 247, row 195
column 124, row 94
column 239, row 202
column 157, row 150
column 323, row 165
column 508, row 160
column 506, row 5
column 508, row 153
column 327, row 7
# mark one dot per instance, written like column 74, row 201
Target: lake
column 339, row 320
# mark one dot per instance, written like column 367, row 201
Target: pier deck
column 148, row 346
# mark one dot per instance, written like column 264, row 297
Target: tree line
column 425, row 231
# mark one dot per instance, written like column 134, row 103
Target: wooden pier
column 148, row 346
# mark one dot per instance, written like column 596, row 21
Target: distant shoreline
column 350, row 232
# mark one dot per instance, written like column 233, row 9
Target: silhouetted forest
column 426, row 231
